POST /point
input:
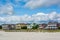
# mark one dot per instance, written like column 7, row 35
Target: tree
column 0, row 27
column 24, row 27
column 35, row 26
column 58, row 27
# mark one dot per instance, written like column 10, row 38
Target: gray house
column 42, row 26
column 8, row 26
column 51, row 25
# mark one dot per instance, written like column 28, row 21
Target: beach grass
column 31, row 30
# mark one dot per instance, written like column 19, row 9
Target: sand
column 29, row 36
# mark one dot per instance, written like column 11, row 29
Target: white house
column 29, row 26
column 8, row 26
column 51, row 25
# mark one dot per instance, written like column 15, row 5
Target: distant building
column 19, row 25
column 51, row 25
column 8, row 26
column 58, row 25
column 30, row 26
column 42, row 26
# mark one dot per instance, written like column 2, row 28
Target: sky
column 29, row 11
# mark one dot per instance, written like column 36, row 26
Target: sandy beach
column 29, row 36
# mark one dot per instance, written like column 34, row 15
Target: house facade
column 18, row 26
column 51, row 25
column 5, row 26
column 58, row 25
column 42, row 26
column 8, row 26
column 30, row 26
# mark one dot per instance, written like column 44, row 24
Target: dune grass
column 31, row 30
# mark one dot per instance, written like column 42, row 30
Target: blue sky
column 16, row 11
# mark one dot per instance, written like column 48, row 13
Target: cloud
column 53, row 15
column 38, row 3
column 21, row 0
column 6, row 9
column 32, row 3
column 15, row 19
column 38, row 17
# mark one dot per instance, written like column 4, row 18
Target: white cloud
column 15, row 19
column 40, row 17
column 52, row 15
column 6, row 9
column 34, row 3
column 35, row 18
column 21, row 0
column 38, row 3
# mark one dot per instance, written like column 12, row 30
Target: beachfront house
column 8, row 26
column 58, row 25
column 29, row 26
column 42, row 26
column 51, row 25
column 20, row 25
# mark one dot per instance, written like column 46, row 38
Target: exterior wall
column 52, row 26
column 12, row 26
column 18, row 26
column 58, row 25
column 42, row 26
column 8, row 26
column 5, row 27
column 29, row 27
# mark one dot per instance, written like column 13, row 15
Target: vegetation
column 31, row 30
column 0, row 27
column 34, row 29
column 35, row 26
column 25, row 27
column 58, row 27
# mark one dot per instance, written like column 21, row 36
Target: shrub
column 25, row 27
column 58, row 27
column 0, row 27
column 35, row 26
